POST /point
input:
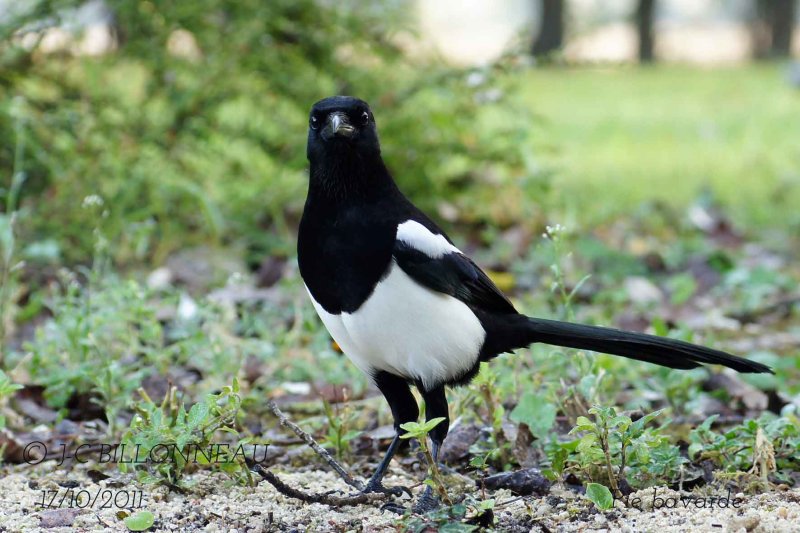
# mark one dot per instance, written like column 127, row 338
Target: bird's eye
column 365, row 118
column 313, row 123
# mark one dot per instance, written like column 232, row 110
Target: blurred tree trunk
column 551, row 27
column 773, row 27
column 782, row 27
column 645, row 17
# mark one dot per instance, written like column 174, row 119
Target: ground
column 217, row 506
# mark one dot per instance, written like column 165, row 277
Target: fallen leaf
column 140, row 521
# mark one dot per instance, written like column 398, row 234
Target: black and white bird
column 407, row 306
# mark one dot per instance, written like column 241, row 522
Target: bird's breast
column 342, row 259
column 408, row 330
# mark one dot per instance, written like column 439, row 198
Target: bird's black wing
column 454, row 274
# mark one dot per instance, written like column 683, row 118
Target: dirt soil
column 214, row 504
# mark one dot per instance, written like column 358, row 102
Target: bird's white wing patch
column 421, row 238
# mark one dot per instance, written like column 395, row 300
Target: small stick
column 327, row 499
column 314, row 446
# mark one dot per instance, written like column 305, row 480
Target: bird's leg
column 374, row 484
column 404, row 409
column 435, row 407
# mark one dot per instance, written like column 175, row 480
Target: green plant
column 7, row 389
column 600, row 496
column 556, row 235
column 8, row 220
column 613, row 448
column 486, row 382
column 736, row 449
column 419, row 431
column 100, row 342
column 174, row 441
column 447, row 518
column 480, row 463
column 537, row 412
column 339, row 433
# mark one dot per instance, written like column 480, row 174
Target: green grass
column 621, row 136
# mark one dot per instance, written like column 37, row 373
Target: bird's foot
column 393, row 507
column 389, row 491
column 426, row 503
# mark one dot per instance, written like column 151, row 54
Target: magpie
column 406, row 306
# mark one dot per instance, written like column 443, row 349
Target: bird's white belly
column 408, row 330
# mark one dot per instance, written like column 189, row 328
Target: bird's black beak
column 338, row 125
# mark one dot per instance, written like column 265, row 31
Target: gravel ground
column 216, row 505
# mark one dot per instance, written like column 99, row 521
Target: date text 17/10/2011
column 85, row 499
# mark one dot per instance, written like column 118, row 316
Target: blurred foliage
column 193, row 129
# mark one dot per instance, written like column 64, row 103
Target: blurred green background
column 189, row 122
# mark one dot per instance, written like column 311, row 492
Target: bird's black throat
column 347, row 175
column 348, row 226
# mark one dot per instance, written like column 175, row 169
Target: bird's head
column 341, row 126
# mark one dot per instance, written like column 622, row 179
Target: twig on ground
column 327, row 499
column 314, row 446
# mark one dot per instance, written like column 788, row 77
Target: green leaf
column 197, row 414
column 660, row 327
column 620, row 421
column 587, row 442
column 456, row 527
column 413, row 429
column 486, row 504
column 600, row 496
column 559, row 459
column 639, row 425
column 417, row 430
column 683, row 287
column 432, row 423
column 140, row 521
column 536, row 412
column 706, row 425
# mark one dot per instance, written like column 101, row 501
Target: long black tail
column 662, row 351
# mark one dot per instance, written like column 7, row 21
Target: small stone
column 57, row 518
column 641, row 290
column 744, row 523
column 160, row 278
column 782, row 512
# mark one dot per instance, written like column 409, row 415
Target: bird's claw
column 393, row 507
column 426, row 503
column 390, row 491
